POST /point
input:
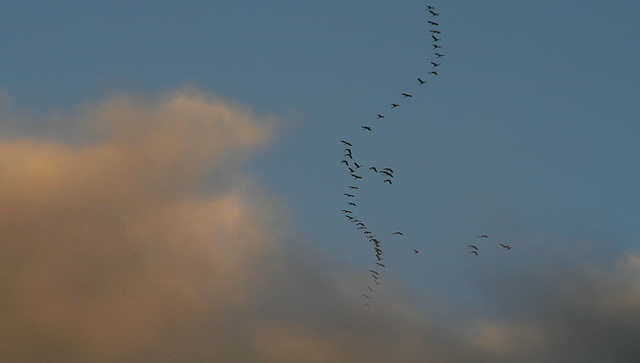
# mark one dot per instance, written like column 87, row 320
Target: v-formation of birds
column 385, row 175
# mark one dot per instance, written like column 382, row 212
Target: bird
column 346, row 211
column 344, row 162
column 388, row 169
column 347, row 150
column 366, row 128
column 434, row 38
column 374, row 169
column 506, row 247
column 380, row 116
column 415, row 252
column 349, row 195
column 433, row 13
column 351, row 170
column 386, row 173
column 367, row 296
column 346, row 143
column 348, row 156
column 435, row 64
column 348, row 217
column 439, row 55
column 377, row 282
column 394, row 105
column 432, row 23
column 436, row 46
column 379, row 264
column 356, row 176
column 398, row 233
column 387, row 181
column 378, row 258
column 483, row 236
column 352, row 204
column 429, row 7
column 352, row 187
column 433, row 31
column 421, row 81
column 373, row 272
column 370, row 289
column 357, row 165
column 472, row 246
column 434, row 73
column 406, row 95
column 474, row 252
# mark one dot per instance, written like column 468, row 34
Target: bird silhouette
column 433, row 23
column 387, row 181
column 388, row 169
column 435, row 64
column 352, row 187
column 506, row 247
column 349, row 195
column 435, row 46
column 380, row 116
column 433, row 13
column 398, row 233
column 367, row 296
column 434, row 73
column 474, row 252
column 472, row 246
column 346, row 143
column 439, row 55
column 415, row 252
column 483, row 236
column 366, row 128
column 406, row 95
column 374, row 169
column 394, row 105
column 421, row 81
column 434, row 38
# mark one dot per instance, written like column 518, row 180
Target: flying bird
column 374, row 169
column 357, row 165
column 434, row 73
column 483, row 236
column 348, row 156
column 380, row 116
column 432, row 23
column 346, row 143
column 472, row 246
column 394, row 105
column 352, row 204
column 439, row 55
column 398, row 233
column 506, row 247
column 387, row 181
column 435, row 64
column 366, row 128
column 421, row 81
column 433, row 13
column 346, row 211
column 388, row 169
column 433, row 31
column 379, row 264
column 344, row 162
column 351, row 170
column 415, row 252
column 356, row 176
column 367, row 296
column 436, row 46
column 370, row 289
column 386, row 173
column 349, row 195
column 373, row 272
column 474, row 252
column 406, row 95
column 434, row 38
column 352, row 187
column 429, row 7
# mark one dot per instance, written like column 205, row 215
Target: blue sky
column 528, row 134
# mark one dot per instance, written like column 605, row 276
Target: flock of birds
column 385, row 175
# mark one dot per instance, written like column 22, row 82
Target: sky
column 172, row 183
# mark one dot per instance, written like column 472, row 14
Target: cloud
column 142, row 239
